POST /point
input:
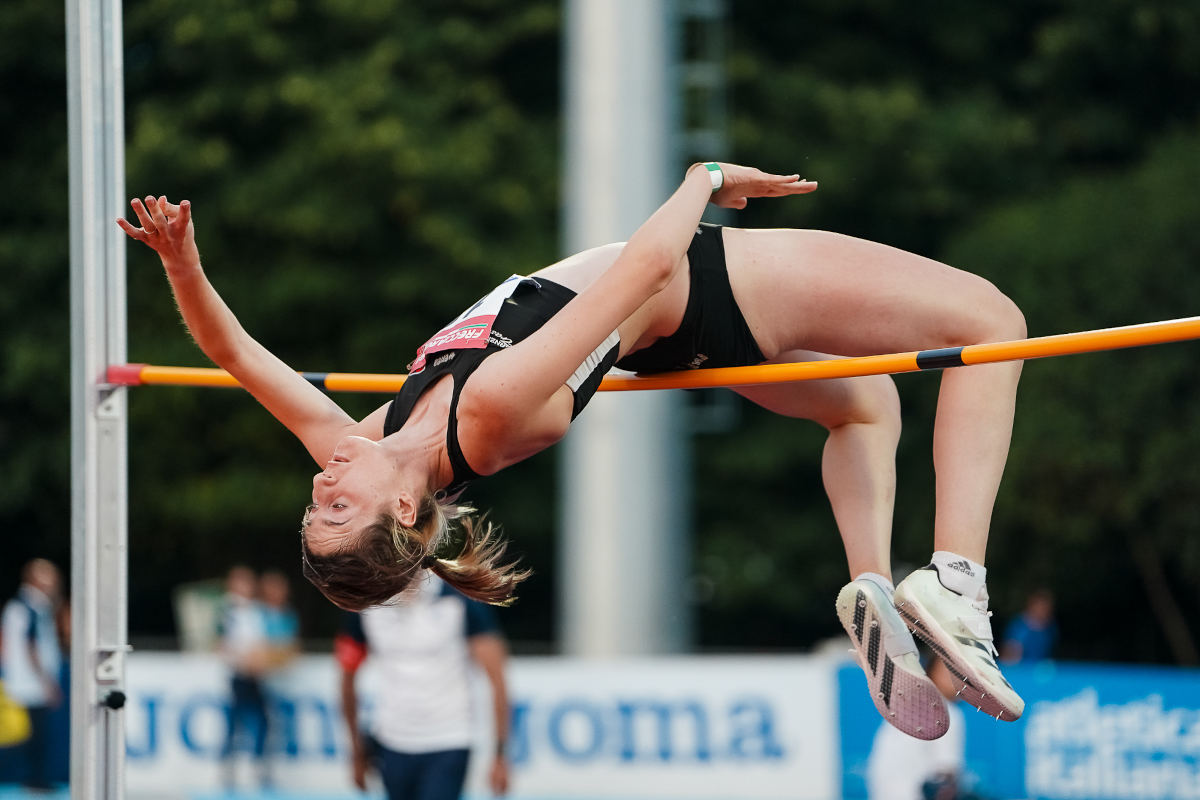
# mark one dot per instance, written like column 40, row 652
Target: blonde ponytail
column 477, row 570
column 381, row 561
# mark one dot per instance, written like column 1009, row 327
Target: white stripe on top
column 591, row 362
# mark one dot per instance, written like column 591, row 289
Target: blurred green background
column 362, row 169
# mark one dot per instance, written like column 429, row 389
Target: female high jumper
column 505, row 379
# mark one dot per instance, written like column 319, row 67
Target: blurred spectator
column 903, row 768
column 280, row 623
column 31, row 659
column 1031, row 637
column 244, row 647
column 421, row 726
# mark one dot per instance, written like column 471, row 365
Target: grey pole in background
column 624, row 544
column 95, row 110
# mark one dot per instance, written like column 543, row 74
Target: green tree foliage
column 34, row 404
column 387, row 157
column 359, row 172
column 1037, row 143
column 396, row 158
column 1102, row 484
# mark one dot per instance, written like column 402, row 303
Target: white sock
column 878, row 580
column 960, row 574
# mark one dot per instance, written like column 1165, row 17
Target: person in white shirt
column 31, row 661
column 421, row 732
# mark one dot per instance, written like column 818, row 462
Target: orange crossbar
column 1148, row 333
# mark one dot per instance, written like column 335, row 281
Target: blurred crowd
column 420, row 734
column 34, row 643
column 424, row 648
column 418, row 742
column 259, row 636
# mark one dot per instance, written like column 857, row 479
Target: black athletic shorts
column 713, row 332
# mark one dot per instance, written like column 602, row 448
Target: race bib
column 470, row 329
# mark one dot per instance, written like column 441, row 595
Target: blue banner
column 1088, row 733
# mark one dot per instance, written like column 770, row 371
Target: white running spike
column 930, row 610
column 870, row 612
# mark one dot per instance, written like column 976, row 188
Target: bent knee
column 871, row 399
column 1007, row 317
column 990, row 316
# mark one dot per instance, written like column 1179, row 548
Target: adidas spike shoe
column 959, row 632
column 885, row 650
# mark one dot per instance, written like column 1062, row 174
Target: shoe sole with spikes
column 967, row 659
column 900, row 689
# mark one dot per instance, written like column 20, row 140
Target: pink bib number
column 470, row 329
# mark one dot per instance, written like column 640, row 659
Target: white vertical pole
column 624, row 545
column 98, row 424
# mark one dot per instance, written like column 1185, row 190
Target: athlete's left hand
column 742, row 183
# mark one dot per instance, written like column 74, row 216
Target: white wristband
column 715, row 175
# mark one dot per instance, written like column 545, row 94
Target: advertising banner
column 1089, row 732
column 719, row 728
column 688, row 727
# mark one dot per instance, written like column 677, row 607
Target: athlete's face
column 359, row 482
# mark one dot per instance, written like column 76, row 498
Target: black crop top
column 533, row 302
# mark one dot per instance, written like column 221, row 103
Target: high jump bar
column 1063, row 344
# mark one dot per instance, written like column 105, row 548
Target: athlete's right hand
column 166, row 229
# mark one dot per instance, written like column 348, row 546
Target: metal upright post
column 98, row 412
column 702, row 81
column 624, row 527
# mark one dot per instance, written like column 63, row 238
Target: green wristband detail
column 715, row 175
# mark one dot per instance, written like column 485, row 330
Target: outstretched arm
column 308, row 413
column 526, row 376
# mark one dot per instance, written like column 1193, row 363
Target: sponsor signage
column 680, row 728
column 1089, row 732
column 688, row 727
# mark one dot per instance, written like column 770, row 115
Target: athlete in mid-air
column 505, row 380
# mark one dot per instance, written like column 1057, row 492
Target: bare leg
column 832, row 293
column 862, row 416
column 970, row 446
column 858, row 465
